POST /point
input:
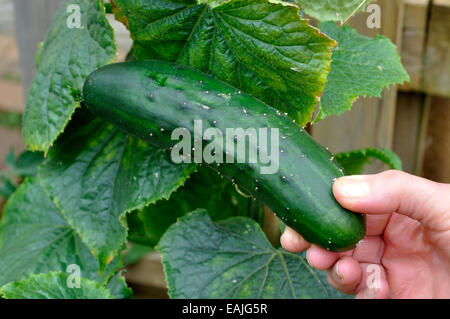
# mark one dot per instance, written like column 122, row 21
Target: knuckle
column 393, row 174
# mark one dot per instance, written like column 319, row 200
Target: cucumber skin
column 144, row 97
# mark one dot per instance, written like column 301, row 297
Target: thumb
column 396, row 191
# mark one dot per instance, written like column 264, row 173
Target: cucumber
column 150, row 99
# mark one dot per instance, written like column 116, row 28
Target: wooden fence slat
column 414, row 41
column 422, row 136
column 436, row 162
column 32, row 19
column 392, row 19
column 437, row 57
column 410, row 128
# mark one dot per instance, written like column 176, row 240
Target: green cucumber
column 150, row 99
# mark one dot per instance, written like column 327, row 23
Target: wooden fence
column 413, row 120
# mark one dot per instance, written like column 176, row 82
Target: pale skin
column 408, row 238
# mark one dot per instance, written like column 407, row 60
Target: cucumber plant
column 109, row 181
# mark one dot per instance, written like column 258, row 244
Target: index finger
column 395, row 191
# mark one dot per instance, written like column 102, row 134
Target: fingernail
column 287, row 234
column 353, row 186
column 336, row 271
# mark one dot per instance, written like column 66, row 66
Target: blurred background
column 413, row 120
column 23, row 25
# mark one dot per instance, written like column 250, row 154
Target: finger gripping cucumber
column 150, row 99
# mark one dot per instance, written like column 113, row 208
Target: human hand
column 406, row 251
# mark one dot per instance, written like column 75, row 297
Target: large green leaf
column 204, row 189
column 234, row 259
column 66, row 58
column 361, row 66
column 53, row 286
column 261, row 46
column 35, row 238
column 353, row 162
column 95, row 173
column 331, row 10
